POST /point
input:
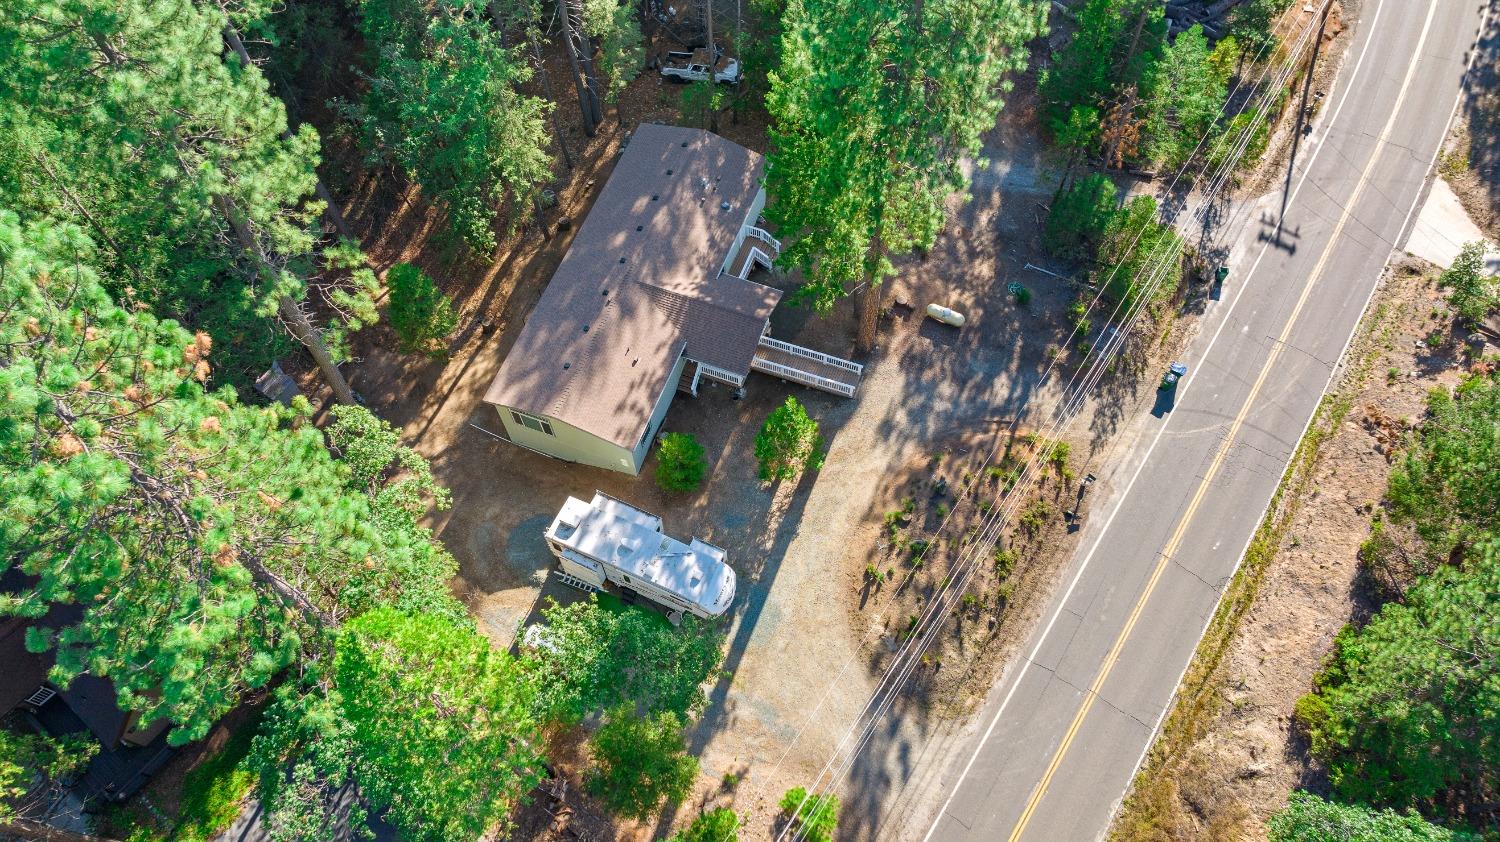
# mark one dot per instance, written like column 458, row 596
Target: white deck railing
column 721, row 375
column 763, row 234
column 808, row 353
column 750, row 261
column 797, row 375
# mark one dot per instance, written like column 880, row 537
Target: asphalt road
column 1063, row 733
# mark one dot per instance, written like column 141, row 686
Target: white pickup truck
column 693, row 67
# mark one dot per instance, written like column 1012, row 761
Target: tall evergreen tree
column 1408, row 711
column 126, row 117
column 1185, row 92
column 444, row 106
column 435, row 728
column 622, row 49
column 1111, row 53
column 873, row 105
column 207, row 544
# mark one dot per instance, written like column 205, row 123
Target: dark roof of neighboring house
column 90, row 697
column 116, row 770
column 24, row 671
column 93, row 700
column 624, row 304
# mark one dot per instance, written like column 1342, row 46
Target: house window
column 532, row 422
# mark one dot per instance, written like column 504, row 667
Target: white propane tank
column 945, row 315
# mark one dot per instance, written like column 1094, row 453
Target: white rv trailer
column 607, row 540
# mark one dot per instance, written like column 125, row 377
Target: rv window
column 531, row 422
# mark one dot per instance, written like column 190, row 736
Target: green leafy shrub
column 1077, row 219
column 919, row 549
column 420, row 313
column 1223, row 148
column 1005, row 561
column 1409, row 703
column 679, row 463
column 788, row 442
column 1059, row 456
column 639, row 763
column 894, row 521
column 1254, row 21
column 1136, row 252
column 1474, row 294
column 596, row 658
column 816, row 817
column 37, row 765
column 720, row 824
column 1035, row 517
column 701, row 103
column 1308, row 818
column 1310, row 714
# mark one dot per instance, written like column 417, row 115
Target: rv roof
column 626, row 537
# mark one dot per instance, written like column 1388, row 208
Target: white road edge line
column 1120, row 500
column 1402, row 234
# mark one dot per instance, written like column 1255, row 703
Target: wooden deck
column 801, row 365
column 744, row 259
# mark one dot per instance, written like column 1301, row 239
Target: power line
column 1158, row 262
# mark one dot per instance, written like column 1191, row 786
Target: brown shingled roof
column 624, row 303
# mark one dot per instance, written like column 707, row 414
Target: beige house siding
column 569, row 443
column 663, row 401
column 574, row 445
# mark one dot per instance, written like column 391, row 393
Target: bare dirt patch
column 1228, row 755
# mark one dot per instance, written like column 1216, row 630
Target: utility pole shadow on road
column 1301, row 127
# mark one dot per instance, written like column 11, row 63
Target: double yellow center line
column 1180, row 532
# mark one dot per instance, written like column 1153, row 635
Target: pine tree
column 788, row 442
column 1116, row 44
column 134, row 124
column 209, row 544
column 1475, row 293
column 437, row 729
column 1186, row 90
column 873, row 105
column 1408, row 711
column 622, row 49
column 444, row 106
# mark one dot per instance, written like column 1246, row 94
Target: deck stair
column 756, row 246
column 688, row 382
column 806, row 366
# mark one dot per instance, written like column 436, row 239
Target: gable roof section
column 640, row 286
